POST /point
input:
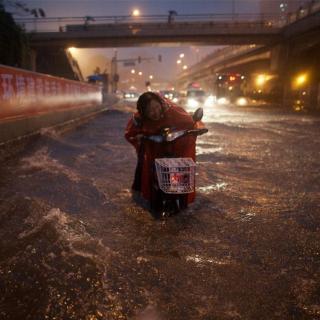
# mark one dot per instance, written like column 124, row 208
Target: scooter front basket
column 175, row 175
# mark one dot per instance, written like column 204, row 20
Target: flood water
column 73, row 244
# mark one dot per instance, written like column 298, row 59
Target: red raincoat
column 173, row 117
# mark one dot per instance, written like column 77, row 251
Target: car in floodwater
column 196, row 98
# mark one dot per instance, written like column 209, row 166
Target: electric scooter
column 173, row 177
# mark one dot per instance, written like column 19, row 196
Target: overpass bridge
column 160, row 33
column 297, row 52
column 300, row 32
column 208, row 29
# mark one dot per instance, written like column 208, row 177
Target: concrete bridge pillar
column 290, row 64
column 314, row 100
column 279, row 65
column 279, row 58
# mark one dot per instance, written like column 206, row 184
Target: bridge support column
column 279, row 65
column 314, row 95
column 290, row 62
column 279, row 56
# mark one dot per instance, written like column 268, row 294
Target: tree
column 14, row 48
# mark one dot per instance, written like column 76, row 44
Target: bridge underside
column 103, row 42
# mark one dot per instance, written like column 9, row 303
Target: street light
column 301, row 79
column 185, row 67
column 136, row 12
column 72, row 50
column 181, row 55
column 178, row 61
column 261, row 80
column 151, row 77
column 140, row 73
column 133, row 71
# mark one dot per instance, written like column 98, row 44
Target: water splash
column 208, row 150
column 41, row 160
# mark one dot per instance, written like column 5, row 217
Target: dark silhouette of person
column 171, row 16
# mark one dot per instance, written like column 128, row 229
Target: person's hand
column 138, row 137
column 199, row 125
column 137, row 140
column 137, row 120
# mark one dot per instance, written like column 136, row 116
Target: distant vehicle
column 196, row 98
column 229, row 88
column 170, row 94
column 130, row 96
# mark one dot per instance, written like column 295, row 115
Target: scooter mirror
column 198, row 114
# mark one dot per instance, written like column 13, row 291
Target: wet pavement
column 73, row 245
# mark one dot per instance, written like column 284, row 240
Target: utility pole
column 114, row 73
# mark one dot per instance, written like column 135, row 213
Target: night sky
column 147, row 7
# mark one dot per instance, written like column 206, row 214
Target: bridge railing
column 272, row 20
column 309, row 8
column 59, row 23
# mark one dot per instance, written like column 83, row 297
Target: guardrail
column 304, row 11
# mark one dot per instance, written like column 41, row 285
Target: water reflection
column 220, row 186
column 202, row 260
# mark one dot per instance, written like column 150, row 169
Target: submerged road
column 73, row 245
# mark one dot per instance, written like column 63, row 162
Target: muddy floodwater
column 73, row 244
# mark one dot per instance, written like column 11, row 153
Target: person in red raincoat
column 154, row 114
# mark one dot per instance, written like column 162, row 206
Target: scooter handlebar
column 198, row 132
column 170, row 138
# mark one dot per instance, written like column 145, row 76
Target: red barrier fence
column 24, row 94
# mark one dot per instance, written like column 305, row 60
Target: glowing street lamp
column 185, row 67
column 151, row 77
column 261, row 80
column 72, row 50
column 178, row 61
column 140, row 73
column 301, row 79
column 181, row 55
column 133, row 71
column 136, row 12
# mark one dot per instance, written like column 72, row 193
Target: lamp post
column 114, row 72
